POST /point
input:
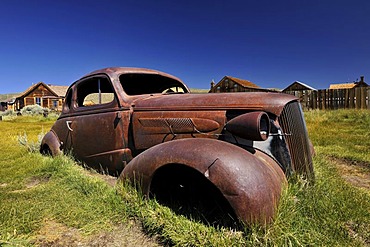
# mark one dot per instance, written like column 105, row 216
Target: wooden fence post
column 363, row 97
column 335, row 99
column 351, row 97
column 357, row 98
column 314, row 100
column 341, row 98
column 354, row 98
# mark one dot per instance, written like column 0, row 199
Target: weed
column 31, row 146
column 40, row 193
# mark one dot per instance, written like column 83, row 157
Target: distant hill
column 8, row 96
column 197, row 90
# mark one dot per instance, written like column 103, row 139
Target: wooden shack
column 233, row 84
column 350, row 85
column 298, row 86
column 48, row 96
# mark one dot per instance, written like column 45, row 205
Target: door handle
column 68, row 125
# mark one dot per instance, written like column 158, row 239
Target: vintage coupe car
column 145, row 126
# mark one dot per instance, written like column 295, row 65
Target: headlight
column 253, row 126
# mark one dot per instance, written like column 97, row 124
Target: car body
column 145, row 126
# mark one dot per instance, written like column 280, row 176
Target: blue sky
column 271, row 43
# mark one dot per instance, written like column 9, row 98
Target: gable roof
column 342, row 86
column 241, row 82
column 348, row 85
column 230, row 84
column 8, row 100
column 57, row 91
column 298, row 85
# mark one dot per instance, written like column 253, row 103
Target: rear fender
column 50, row 144
column 251, row 184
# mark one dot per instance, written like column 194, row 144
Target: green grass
column 36, row 189
column 341, row 133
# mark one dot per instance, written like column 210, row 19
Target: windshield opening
column 136, row 84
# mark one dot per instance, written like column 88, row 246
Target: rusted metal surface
column 251, row 186
column 136, row 122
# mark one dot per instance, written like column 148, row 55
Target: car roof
column 117, row 71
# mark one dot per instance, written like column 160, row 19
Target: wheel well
column 45, row 150
column 190, row 193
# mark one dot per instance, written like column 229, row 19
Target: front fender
column 251, row 184
column 50, row 144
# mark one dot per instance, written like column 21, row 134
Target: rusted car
column 145, row 126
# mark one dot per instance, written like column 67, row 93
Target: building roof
column 229, row 83
column 241, row 82
column 8, row 100
column 342, row 86
column 349, row 85
column 58, row 91
column 298, row 85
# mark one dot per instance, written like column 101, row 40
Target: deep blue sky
column 271, row 43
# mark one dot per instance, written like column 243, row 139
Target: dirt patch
column 35, row 181
column 354, row 172
column 32, row 183
column 131, row 234
column 110, row 180
column 55, row 234
column 359, row 232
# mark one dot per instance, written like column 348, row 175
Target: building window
column 38, row 101
column 55, row 104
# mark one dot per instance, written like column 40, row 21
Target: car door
column 97, row 126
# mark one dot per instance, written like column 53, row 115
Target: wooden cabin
column 232, row 84
column 298, row 86
column 350, row 85
column 48, row 96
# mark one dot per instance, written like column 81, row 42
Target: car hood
column 266, row 101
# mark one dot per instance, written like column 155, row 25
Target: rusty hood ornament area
column 232, row 152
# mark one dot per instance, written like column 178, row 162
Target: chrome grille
column 293, row 125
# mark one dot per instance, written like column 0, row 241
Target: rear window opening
column 136, row 84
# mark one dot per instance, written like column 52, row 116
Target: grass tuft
column 38, row 194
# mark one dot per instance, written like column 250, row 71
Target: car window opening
column 137, row 84
column 95, row 91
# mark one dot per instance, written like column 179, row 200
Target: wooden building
column 48, row 96
column 3, row 105
column 357, row 84
column 298, row 86
column 232, row 84
column 6, row 104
